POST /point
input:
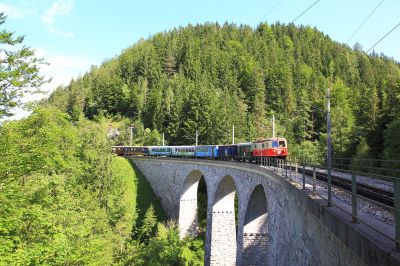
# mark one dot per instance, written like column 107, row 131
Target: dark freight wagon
column 243, row 151
column 130, row 150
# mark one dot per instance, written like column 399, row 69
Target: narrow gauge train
column 270, row 147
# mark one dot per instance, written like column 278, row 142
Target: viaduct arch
column 277, row 223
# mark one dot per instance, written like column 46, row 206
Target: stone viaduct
column 278, row 223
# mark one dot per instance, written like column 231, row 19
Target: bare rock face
column 112, row 133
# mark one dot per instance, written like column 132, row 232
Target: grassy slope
column 145, row 197
column 137, row 193
column 126, row 190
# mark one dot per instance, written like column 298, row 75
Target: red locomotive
column 271, row 147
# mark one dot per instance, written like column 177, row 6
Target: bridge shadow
column 145, row 197
column 255, row 249
column 202, row 201
column 255, row 230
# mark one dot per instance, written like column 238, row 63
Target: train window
column 275, row 144
column 282, row 144
column 263, row 145
column 269, row 146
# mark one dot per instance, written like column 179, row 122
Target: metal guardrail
column 289, row 168
column 373, row 173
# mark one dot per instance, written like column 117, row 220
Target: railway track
column 381, row 196
column 376, row 194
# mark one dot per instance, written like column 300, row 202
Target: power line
column 271, row 9
column 305, row 11
column 384, row 37
column 365, row 20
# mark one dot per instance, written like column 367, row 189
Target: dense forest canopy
column 210, row 77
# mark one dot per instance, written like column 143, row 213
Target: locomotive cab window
column 275, row 144
column 269, row 146
column 282, row 144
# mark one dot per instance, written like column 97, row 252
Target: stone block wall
column 278, row 224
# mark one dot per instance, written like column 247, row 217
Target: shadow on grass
column 145, row 197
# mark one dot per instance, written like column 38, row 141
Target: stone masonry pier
column 278, row 223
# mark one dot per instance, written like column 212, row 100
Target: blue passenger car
column 159, row 151
column 183, row 151
column 205, row 151
column 224, row 151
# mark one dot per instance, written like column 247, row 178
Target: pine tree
column 149, row 226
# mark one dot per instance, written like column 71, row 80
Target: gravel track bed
column 373, row 182
column 383, row 214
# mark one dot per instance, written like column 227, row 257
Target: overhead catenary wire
column 365, row 20
column 381, row 39
column 305, row 11
column 271, row 9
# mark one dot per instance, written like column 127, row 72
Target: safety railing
column 309, row 174
column 344, row 179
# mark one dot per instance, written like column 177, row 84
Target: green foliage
column 165, row 249
column 308, row 150
column 121, row 204
column 148, row 228
column 362, row 150
column 45, row 142
column 145, row 198
column 19, row 71
column 48, row 222
column 66, row 200
column 53, row 211
column 202, row 206
column 152, row 138
column 392, row 141
column 210, row 77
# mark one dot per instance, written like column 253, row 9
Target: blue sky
column 72, row 35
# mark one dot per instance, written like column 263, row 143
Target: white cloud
column 62, row 68
column 65, row 35
column 11, row 11
column 59, row 8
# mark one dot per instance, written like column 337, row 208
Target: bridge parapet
column 278, row 222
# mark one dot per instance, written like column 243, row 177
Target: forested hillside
column 210, row 77
column 66, row 200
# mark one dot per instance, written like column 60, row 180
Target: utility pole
column 130, row 143
column 233, row 134
column 273, row 126
column 329, row 144
column 163, row 139
column 197, row 136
